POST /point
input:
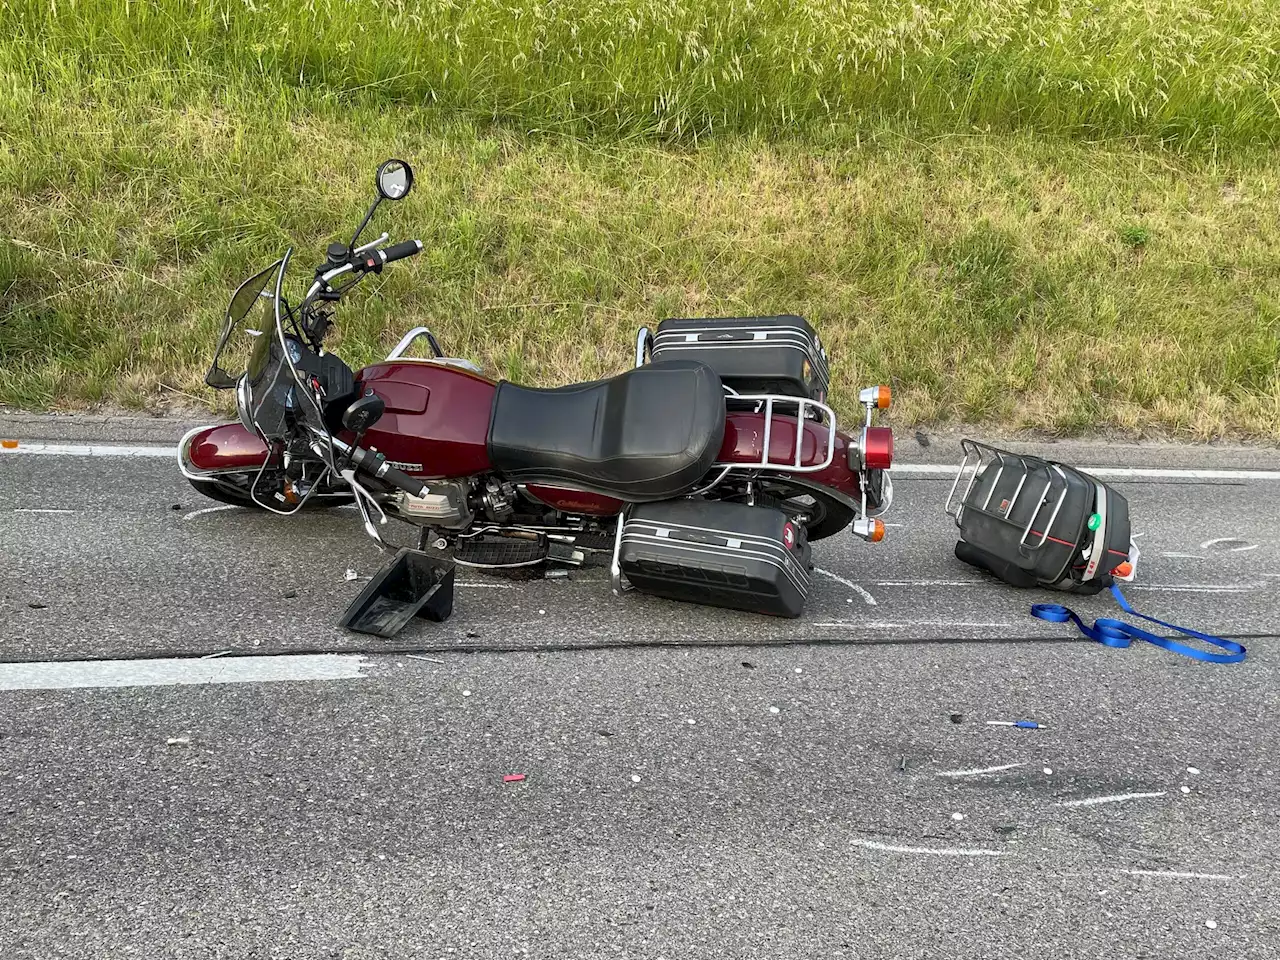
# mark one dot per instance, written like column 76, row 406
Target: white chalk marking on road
column 1196, row 587
column 206, row 510
column 1216, row 540
column 980, row 770
column 169, row 672
column 39, row 510
column 1184, row 556
column 918, row 469
column 863, row 592
column 1252, row 546
column 1115, row 798
column 934, row 851
column 933, row 583
column 1179, row 874
column 90, row 450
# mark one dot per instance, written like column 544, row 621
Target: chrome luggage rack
column 981, row 457
column 805, row 410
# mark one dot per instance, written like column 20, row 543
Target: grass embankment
column 1105, row 249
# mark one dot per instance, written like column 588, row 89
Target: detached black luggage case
column 1032, row 521
column 720, row 554
column 751, row 354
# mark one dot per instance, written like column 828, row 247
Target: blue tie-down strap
column 1117, row 633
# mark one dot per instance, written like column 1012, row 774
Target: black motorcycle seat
column 647, row 434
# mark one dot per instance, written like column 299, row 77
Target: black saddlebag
column 751, row 354
column 720, row 554
column 1033, row 522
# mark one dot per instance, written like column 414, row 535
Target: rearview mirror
column 363, row 413
column 395, row 177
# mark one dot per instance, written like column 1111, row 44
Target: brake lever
column 363, row 495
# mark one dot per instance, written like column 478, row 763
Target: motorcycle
column 704, row 472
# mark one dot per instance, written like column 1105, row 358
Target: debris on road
column 1211, row 924
column 415, row 656
column 556, row 575
column 957, row 816
column 1192, row 770
column 902, row 764
column 350, row 575
column 1048, row 771
column 748, row 664
column 513, row 778
column 219, row 653
column 466, row 693
column 1005, row 829
column 774, row 710
column 289, row 594
column 1186, row 789
column 1021, row 724
column 635, row 778
column 38, row 606
column 957, row 718
column 177, row 741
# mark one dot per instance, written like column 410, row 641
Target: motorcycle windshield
column 239, row 344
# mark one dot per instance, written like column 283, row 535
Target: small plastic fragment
column 513, row 778
column 177, row 741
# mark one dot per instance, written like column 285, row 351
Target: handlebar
column 373, row 260
column 375, row 464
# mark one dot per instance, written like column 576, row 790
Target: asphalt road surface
column 696, row 783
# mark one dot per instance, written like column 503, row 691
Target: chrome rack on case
column 981, row 457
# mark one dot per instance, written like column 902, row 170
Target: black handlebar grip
column 398, row 478
column 398, row 251
column 374, row 465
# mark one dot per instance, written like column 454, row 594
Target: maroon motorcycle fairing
column 436, row 425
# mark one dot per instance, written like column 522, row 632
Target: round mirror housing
column 395, row 177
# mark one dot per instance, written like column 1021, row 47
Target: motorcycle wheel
column 237, row 497
column 823, row 516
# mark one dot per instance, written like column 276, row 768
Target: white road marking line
column 1184, row 556
column 90, row 450
column 200, row 513
column 169, row 672
column 39, row 510
column 934, row 851
column 1252, row 546
column 980, row 771
column 943, row 470
column 860, row 591
column 1115, row 798
column 918, row 469
column 895, row 625
column 1179, row 874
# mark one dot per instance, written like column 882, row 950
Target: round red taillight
column 877, row 448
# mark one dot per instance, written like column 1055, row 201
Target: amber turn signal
column 884, row 397
column 1123, row 570
column 877, row 531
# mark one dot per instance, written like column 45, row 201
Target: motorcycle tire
column 822, row 516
